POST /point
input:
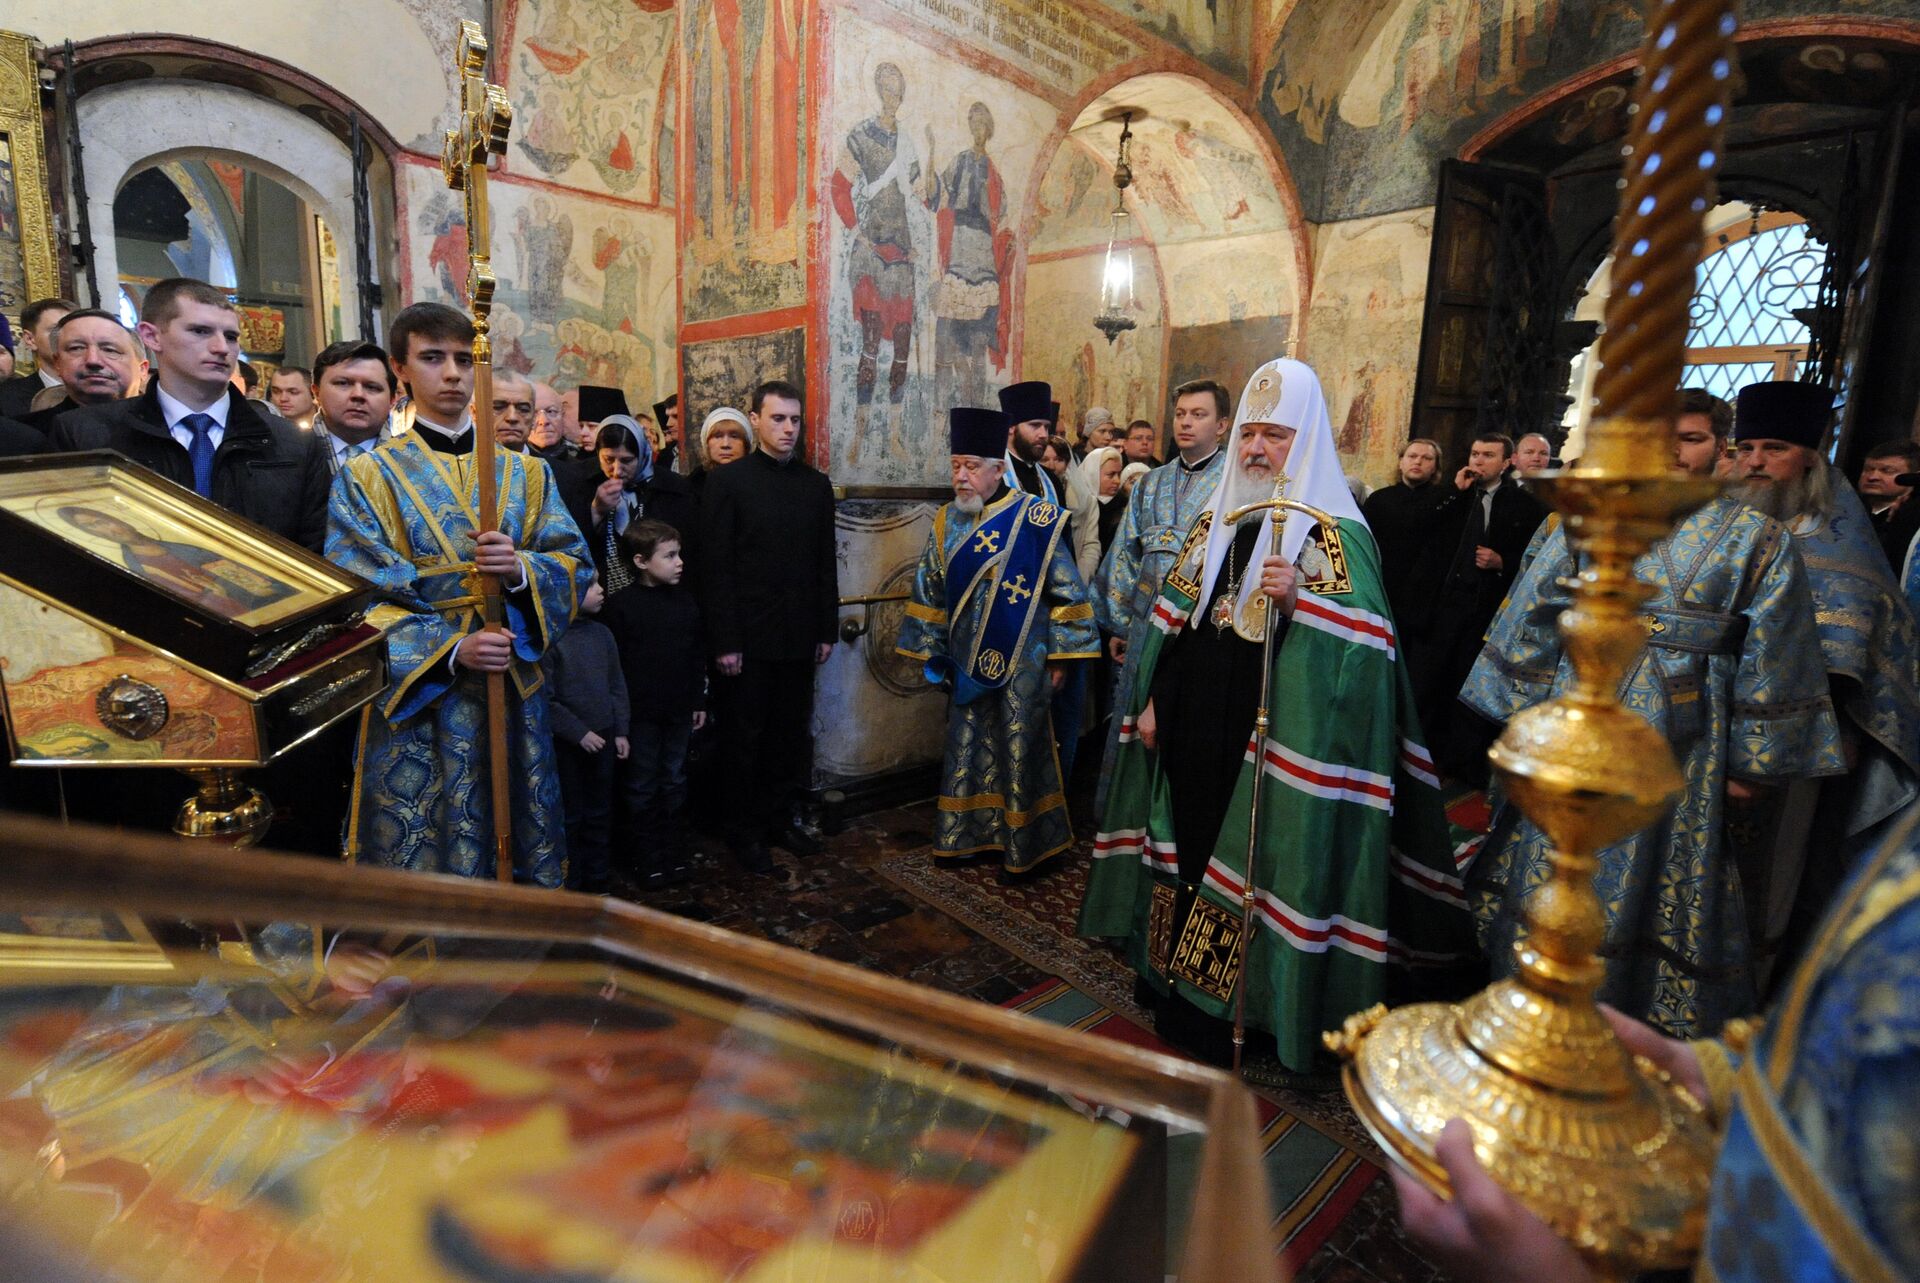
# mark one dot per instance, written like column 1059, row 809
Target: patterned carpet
column 1314, row 1179
column 1034, row 920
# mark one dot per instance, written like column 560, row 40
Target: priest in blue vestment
column 998, row 611
column 1732, row 676
column 1162, row 509
column 403, row 516
column 1868, row 645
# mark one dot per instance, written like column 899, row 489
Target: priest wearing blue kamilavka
column 403, row 516
column 998, row 613
column 1353, row 873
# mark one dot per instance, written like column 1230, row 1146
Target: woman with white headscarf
column 1354, row 870
column 1102, row 481
column 725, row 437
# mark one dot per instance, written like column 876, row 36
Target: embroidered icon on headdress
column 1263, row 399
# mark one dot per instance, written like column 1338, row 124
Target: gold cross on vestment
column 987, row 541
column 1017, row 589
column 486, row 117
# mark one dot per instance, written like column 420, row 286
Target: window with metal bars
column 1755, row 285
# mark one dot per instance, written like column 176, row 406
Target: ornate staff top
column 486, row 118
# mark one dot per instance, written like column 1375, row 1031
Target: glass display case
column 141, row 624
column 220, row 1065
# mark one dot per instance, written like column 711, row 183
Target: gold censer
column 1601, row 1145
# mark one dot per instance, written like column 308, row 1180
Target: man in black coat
column 770, row 593
column 192, row 428
column 17, row 438
column 37, row 322
column 1401, row 518
column 1479, row 533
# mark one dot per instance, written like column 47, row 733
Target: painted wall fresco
column 1199, row 170
column 1363, row 332
column 1215, row 31
column 1051, row 44
column 586, row 285
column 1364, row 103
column 926, row 163
column 586, row 81
column 1364, row 112
column 1229, row 351
column 1062, row 347
column 1075, row 207
column 748, row 100
column 1237, row 278
column 403, row 78
column 725, row 371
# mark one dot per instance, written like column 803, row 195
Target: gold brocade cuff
column 1718, row 1067
column 1071, row 614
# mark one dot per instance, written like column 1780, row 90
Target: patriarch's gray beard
column 971, row 504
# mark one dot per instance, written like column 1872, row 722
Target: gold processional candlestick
column 486, row 117
column 1277, row 509
column 1603, row 1147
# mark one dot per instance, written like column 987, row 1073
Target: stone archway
column 1217, row 250
column 130, row 127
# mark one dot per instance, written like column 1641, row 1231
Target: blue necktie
column 201, row 452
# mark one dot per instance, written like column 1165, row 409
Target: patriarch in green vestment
column 1353, row 874
column 998, row 610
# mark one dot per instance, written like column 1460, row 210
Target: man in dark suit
column 1479, row 534
column 37, row 321
column 770, row 594
column 194, row 429
column 97, row 359
column 1895, row 512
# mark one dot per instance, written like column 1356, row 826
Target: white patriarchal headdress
column 1286, row 392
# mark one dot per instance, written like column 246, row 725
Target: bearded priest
column 1353, row 871
column 998, row 612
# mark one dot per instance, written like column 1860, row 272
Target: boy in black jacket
column 587, row 702
column 657, row 628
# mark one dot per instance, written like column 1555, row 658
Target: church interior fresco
column 657, row 195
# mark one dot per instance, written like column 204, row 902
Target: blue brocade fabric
column 1819, row 1176
column 1868, row 636
column 1000, row 785
column 402, row 517
column 1732, row 677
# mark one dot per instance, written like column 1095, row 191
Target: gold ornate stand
column 1606, row 1150
column 226, row 809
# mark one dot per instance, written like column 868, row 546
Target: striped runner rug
column 1314, row 1180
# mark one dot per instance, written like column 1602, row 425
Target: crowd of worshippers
column 1079, row 601
column 640, row 599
